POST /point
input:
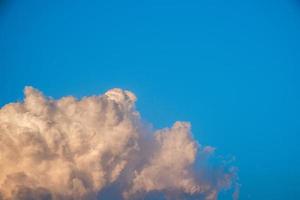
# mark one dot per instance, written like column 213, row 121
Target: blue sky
column 231, row 68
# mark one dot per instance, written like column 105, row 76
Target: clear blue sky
column 232, row 68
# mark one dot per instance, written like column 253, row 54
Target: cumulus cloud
column 99, row 148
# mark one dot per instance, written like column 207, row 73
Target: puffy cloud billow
column 99, row 148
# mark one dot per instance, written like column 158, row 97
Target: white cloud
column 76, row 149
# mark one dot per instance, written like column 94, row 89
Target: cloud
column 99, row 148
